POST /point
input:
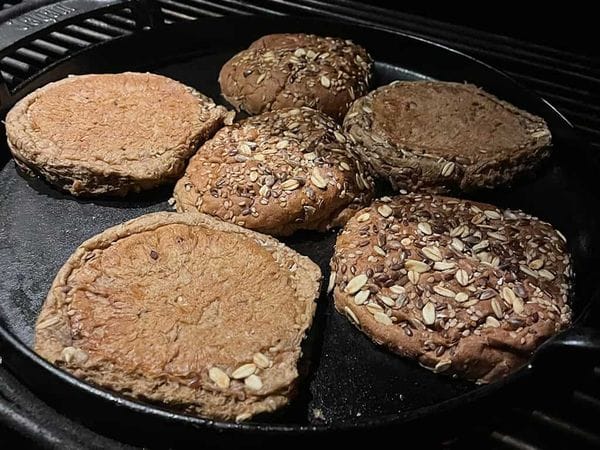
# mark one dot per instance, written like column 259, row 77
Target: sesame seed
column 331, row 284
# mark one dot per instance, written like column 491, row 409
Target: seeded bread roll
column 460, row 286
column 441, row 137
column 277, row 173
column 110, row 134
column 163, row 308
column 285, row 70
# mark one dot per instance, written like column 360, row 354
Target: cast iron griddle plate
column 348, row 378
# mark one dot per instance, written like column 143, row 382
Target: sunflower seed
column 528, row 271
column 325, row 82
column 253, row 382
column 413, row 276
column 317, row 179
column 508, row 295
column 447, row 169
column 491, row 214
column 498, row 236
column 261, row 360
column 461, row 297
column 546, row 274
column 457, row 244
column 497, row 308
column 444, row 292
column 481, row 246
column 457, row 231
column 398, row 289
column 331, row 284
column 444, row 265
column 261, row 78
column 442, row 366
column 387, row 300
column 245, row 370
column 363, row 217
column 491, row 321
column 385, row 210
column 339, row 137
column 416, row 266
column 518, row 306
column 361, row 297
column 219, row 377
column 345, row 166
column 379, row 250
column 282, row 144
column 432, row 253
column 382, row 318
column 310, row 156
column 536, row 264
column 424, row 228
column 374, row 307
column 462, row 277
column 300, row 52
column 290, row 185
column 428, row 313
column 351, row 315
column 356, row 283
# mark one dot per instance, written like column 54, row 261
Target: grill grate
column 567, row 418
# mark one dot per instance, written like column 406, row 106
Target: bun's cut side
column 196, row 314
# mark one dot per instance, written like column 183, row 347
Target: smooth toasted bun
column 110, row 134
column 184, row 310
column 463, row 287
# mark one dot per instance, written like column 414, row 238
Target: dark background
column 565, row 25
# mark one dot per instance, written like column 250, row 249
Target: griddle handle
column 23, row 23
column 576, row 347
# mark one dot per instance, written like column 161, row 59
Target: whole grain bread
column 441, row 137
column 293, row 70
column 184, row 310
column 276, row 173
column 462, row 287
column 112, row 133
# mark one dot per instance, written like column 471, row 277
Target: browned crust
column 139, row 143
column 412, row 165
column 277, row 173
column 491, row 329
column 293, row 70
column 194, row 392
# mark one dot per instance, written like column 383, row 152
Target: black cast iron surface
column 338, row 383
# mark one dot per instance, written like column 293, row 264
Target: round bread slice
column 110, row 134
column 463, row 287
column 276, row 173
column 285, row 70
column 183, row 310
column 440, row 137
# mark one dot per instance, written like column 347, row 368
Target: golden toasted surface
column 277, row 172
column 440, row 136
column 285, row 70
column 462, row 287
column 164, row 308
column 111, row 133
